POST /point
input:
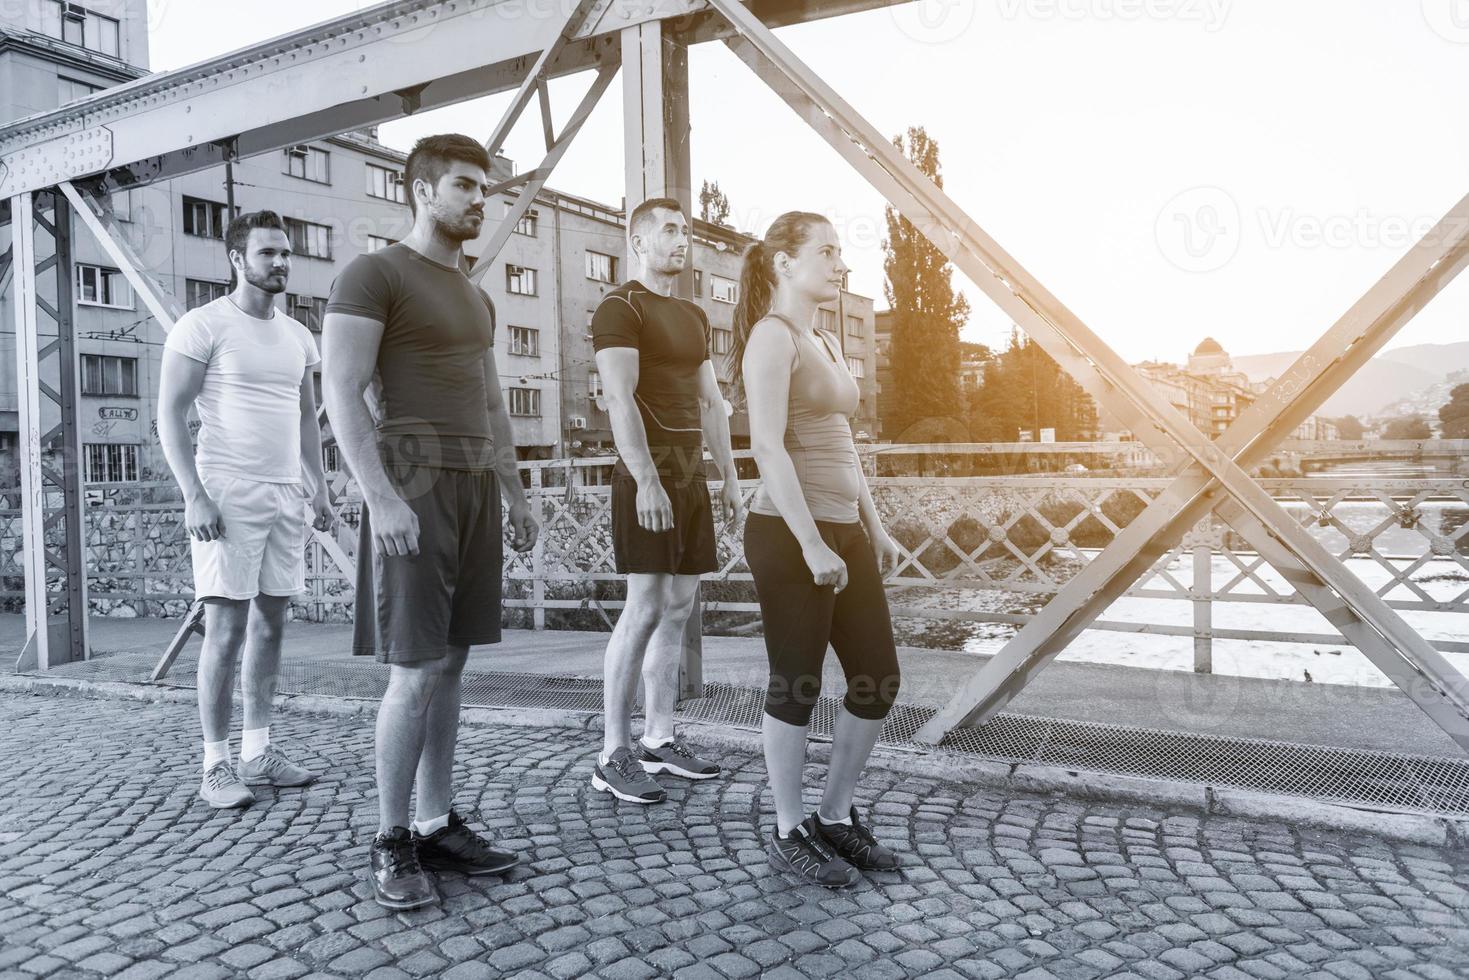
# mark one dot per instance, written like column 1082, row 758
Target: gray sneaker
column 625, row 779
column 676, row 758
column 271, row 768
column 222, row 789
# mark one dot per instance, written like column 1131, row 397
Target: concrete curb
column 1414, row 828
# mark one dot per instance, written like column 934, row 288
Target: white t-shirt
column 250, row 404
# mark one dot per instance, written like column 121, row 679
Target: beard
column 462, row 227
column 269, row 282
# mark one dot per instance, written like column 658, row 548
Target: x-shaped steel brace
column 1362, row 616
column 534, row 86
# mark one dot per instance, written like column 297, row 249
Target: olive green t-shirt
column 437, row 325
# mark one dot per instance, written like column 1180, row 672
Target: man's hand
column 321, row 509
column 202, row 518
column 731, row 503
column 523, row 527
column 655, row 511
column 394, row 527
column 885, row 550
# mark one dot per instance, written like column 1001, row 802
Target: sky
column 1169, row 169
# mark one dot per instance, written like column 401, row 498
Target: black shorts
column 411, row 608
column 688, row 549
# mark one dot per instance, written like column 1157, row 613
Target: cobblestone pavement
column 109, row 865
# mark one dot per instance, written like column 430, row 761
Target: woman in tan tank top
column 814, row 545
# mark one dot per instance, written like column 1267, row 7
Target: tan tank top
column 818, row 434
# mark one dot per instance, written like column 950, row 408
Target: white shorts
column 263, row 550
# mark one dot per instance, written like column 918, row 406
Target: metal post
column 48, row 399
column 36, row 651
column 1201, row 589
column 538, row 555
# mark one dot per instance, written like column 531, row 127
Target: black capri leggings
column 801, row 618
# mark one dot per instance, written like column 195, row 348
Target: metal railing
column 975, row 549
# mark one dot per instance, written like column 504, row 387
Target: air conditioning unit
column 73, row 11
column 299, row 150
column 395, row 177
column 577, row 422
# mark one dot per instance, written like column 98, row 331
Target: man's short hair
column 432, row 156
column 237, row 235
column 643, row 213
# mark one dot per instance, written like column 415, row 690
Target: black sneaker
column 457, row 848
column 807, row 855
column 855, row 843
column 398, row 879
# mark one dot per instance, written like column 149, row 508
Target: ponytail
column 757, row 283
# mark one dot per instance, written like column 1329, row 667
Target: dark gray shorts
column 410, row 609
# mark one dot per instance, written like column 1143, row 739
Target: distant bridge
column 1314, row 454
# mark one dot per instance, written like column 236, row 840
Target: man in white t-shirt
column 246, row 368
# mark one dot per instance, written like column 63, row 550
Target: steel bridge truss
column 403, row 57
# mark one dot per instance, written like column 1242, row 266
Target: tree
column 1348, row 427
column 1455, row 415
column 927, row 313
column 1023, row 388
column 1407, row 427
column 713, row 205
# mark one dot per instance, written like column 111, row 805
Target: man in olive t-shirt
column 409, row 323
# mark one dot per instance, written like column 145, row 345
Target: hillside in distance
column 1389, row 377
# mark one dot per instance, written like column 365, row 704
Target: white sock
column 426, row 827
column 253, row 742
column 656, row 743
column 832, row 823
column 215, row 753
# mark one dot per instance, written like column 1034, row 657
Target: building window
column 308, row 309
column 204, row 218
column 698, row 283
column 101, row 286
column 594, row 385
column 827, row 319
column 71, row 89
column 308, row 163
column 528, row 222
column 75, row 24
column 722, row 340
column 385, row 183
column 198, row 292
column 376, row 243
column 525, row 401
column 105, row 375
column 520, row 280
column 331, row 460
column 723, row 290
column 309, row 239
column 854, row 326
column 525, row 341
column 601, row 268
column 110, row 463
column 857, row 367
